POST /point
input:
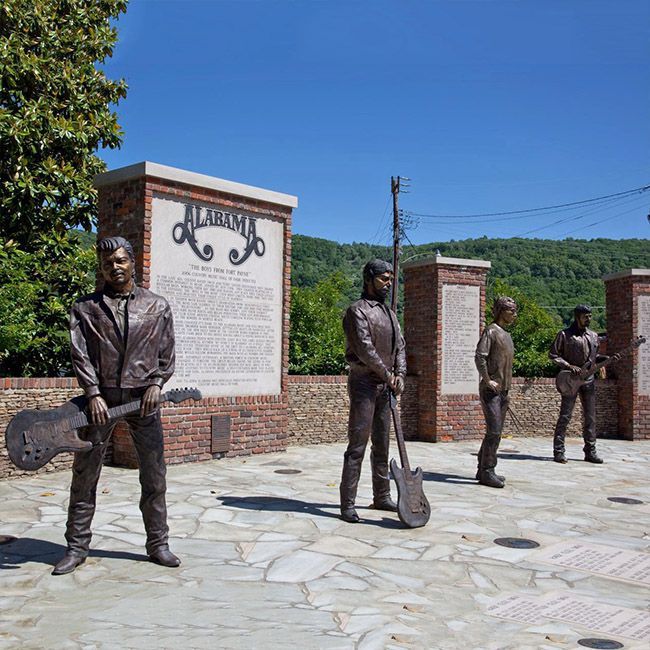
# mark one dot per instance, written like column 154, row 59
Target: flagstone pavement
column 268, row 563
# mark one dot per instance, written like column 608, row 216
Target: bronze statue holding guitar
column 575, row 351
column 122, row 348
column 376, row 356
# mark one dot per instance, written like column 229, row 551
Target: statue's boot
column 478, row 466
column 68, row 563
column 381, row 499
column 348, row 490
column 489, row 462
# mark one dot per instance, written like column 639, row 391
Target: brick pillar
column 444, row 312
column 628, row 316
column 220, row 252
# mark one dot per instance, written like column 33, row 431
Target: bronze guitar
column 34, row 437
column 413, row 507
column 568, row 383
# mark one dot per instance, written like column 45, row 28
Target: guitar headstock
column 178, row 395
column 638, row 341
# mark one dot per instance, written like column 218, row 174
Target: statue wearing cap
column 376, row 355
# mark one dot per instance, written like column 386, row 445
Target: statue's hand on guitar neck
column 150, row 400
column 98, row 410
column 396, row 384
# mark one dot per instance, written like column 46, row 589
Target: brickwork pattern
column 259, row 424
column 536, row 404
column 441, row 418
column 319, row 405
column 621, row 295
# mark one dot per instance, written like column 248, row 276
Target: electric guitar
column 413, row 507
column 34, row 437
column 568, row 383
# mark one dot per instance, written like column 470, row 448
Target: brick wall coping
column 626, row 274
column 17, row 383
column 447, row 261
column 12, row 383
column 146, row 168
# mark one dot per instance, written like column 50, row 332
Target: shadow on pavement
column 507, row 456
column 28, row 549
column 448, row 478
column 279, row 504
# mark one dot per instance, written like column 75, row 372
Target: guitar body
column 413, row 507
column 34, row 437
column 568, row 384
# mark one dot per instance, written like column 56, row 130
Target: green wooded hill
column 555, row 274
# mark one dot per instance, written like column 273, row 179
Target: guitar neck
column 606, row 362
column 81, row 419
column 401, row 446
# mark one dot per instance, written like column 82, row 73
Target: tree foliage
column 316, row 339
column 532, row 333
column 55, row 112
column 555, row 274
column 36, row 292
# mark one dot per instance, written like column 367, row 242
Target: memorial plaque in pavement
column 461, row 308
column 622, row 564
column 643, row 361
column 599, row 617
column 221, row 269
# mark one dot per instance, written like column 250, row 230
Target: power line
column 595, row 223
column 643, row 188
column 581, row 216
column 381, row 221
column 521, row 217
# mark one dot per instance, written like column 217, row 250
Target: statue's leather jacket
column 575, row 347
column 375, row 346
column 104, row 357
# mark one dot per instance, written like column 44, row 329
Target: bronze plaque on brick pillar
column 220, row 434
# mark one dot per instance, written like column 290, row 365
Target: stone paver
column 267, row 563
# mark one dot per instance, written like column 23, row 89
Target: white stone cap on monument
column 146, row 168
column 625, row 274
column 446, row 261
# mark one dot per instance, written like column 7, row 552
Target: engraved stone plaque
column 461, row 308
column 582, row 611
column 643, row 362
column 221, row 270
column 622, row 564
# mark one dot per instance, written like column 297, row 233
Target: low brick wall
column 536, row 403
column 316, row 412
column 319, row 405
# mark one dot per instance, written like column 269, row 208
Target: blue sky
column 488, row 106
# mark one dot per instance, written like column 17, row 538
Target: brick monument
column 220, row 253
column 444, row 314
column 628, row 316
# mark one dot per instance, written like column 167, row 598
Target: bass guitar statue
column 413, row 508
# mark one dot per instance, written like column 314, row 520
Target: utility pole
column 396, row 185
